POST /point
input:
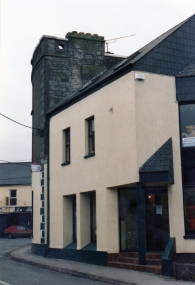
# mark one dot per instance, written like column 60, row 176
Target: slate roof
column 144, row 50
column 189, row 70
column 160, row 161
column 168, row 54
column 15, row 173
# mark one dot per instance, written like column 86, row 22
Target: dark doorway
column 157, row 219
column 93, row 216
column 74, row 220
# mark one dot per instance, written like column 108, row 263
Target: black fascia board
column 90, row 90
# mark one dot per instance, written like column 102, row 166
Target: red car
column 17, row 232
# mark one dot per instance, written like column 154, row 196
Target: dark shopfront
column 19, row 217
column 187, row 134
column 156, row 219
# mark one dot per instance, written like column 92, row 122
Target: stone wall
column 59, row 68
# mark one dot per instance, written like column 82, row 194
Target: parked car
column 18, row 232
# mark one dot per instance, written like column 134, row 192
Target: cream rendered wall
column 83, row 224
column 114, row 140
column 67, row 221
column 23, row 194
column 132, row 120
column 157, row 120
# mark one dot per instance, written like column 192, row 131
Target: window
column 91, row 135
column 13, row 197
column 189, row 210
column 66, row 146
column 187, row 132
column 187, row 125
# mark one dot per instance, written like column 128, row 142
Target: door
column 128, row 220
column 157, row 219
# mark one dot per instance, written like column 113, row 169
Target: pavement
column 93, row 272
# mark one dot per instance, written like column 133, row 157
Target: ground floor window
column 128, row 220
column 189, row 209
column 187, row 130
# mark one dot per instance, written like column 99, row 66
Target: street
column 16, row 273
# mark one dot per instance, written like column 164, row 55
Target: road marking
column 9, row 250
column 3, row 283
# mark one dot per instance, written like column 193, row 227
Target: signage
column 158, row 209
column 35, row 167
column 187, row 142
column 23, row 209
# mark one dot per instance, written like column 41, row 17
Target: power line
column 39, row 130
column 16, row 121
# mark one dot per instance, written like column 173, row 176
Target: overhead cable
column 39, row 130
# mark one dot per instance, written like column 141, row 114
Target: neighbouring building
column 121, row 175
column 15, row 195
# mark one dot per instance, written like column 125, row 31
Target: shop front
column 156, row 219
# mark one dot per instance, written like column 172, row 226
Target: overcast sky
column 23, row 22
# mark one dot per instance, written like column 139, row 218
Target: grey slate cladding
column 185, row 83
column 160, row 162
column 168, row 54
column 189, row 70
column 15, row 173
column 185, row 88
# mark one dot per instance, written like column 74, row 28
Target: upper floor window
column 187, row 125
column 13, row 198
column 66, row 144
column 91, row 135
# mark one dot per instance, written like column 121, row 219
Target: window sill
column 189, row 237
column 65, row 163
column 89, row 155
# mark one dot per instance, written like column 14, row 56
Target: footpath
column 94, row 272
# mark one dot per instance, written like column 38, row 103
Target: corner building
column 121, row 160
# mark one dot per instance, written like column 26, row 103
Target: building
column 121, row 160
column 59, row 68
column 15, row 195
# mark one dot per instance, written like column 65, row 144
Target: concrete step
column 129, row 260
column 136, row 260
column 155, row 269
